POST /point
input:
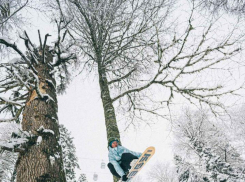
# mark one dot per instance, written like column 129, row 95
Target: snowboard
column 144, row 158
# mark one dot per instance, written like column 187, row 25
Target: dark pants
column 126, row 159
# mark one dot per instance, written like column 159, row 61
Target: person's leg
column 113, row 171
column 126, row 159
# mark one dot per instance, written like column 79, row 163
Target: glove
column 133, row 162
column 124, row 178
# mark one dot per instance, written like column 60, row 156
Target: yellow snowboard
column 144, row 158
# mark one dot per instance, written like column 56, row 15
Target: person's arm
column 116, row 165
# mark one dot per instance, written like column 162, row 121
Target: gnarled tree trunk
column 42, row 161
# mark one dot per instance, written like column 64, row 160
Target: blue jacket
column 115, row 155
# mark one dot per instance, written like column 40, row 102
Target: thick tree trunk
column 109, row 111
column 42, row 162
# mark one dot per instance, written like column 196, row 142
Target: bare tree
column 137, row 178
column 162, row 172
column 209, row 151
column 113, row 37
column 132, row 50
column 186, row 171
column 235, row 127
column 134, row 57
column 11, row 18
column 234, row 7
column 9, row 10
column 199, row 125
column 32, row 83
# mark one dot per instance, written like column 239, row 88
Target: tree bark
column 42, row 162
column 109, row 111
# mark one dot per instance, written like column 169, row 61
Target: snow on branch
column 61, row 54
column 7, row 120
column 19, row 77
column 50, row 82
column 56, row 120
column 48, row 97
column 215, row 167
column 32, row 50
column 17, row 115
column 11, row 102
column 13, row 46
column 37, row 83
column 7, row 12
column 64, row 58
column 13, row 143
column 40, row 92
column 42, row 130
column 16, row 49
column 18, row 142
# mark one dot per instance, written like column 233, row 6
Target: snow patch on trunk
column 39, row 140
column 52, row 160
column 43, row 130
column 57, row 155
column 53, row 118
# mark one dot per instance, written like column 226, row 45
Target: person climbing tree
column 120, row 159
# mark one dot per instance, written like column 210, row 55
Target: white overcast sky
column 80, row 110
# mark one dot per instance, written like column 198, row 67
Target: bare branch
column 11, row 102
column 13, row 46
column 44, row 47
column 14, row 118
column 40, row 38
column 4, row 21
column 19, row 150
column 121, row 78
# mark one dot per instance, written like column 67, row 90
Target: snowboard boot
column 124, row 178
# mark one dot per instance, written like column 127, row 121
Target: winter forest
column 162, row 73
